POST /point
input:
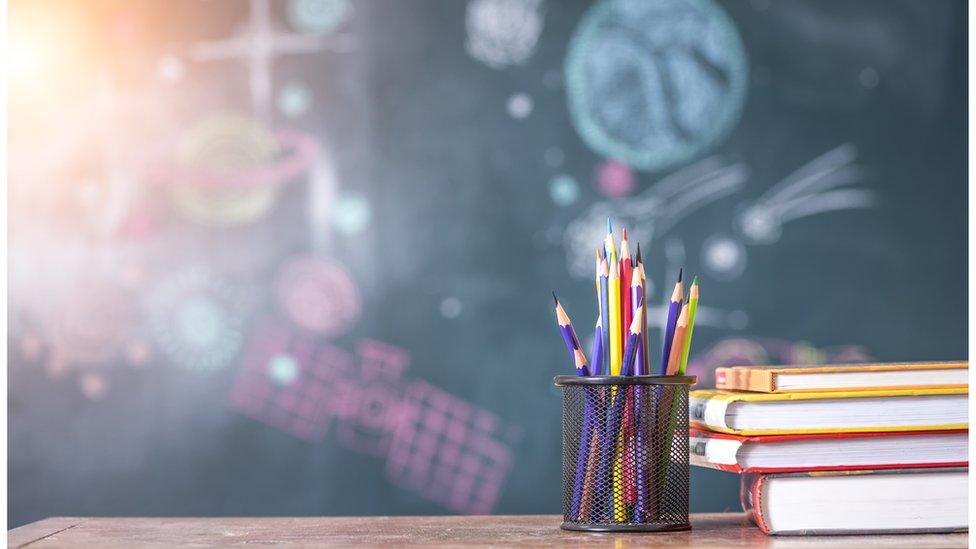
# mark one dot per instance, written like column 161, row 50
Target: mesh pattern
column 632, row 470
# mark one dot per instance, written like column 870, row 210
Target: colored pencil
column 566, row 327
column 596, row 356
column 692, row 308
column 673, row 309
column 615, row 340
column 608, row 248
column 577, row 500
column 680, row 328
column 605, row 315
column 615, row 420
column 626, row 271
column 637, row 296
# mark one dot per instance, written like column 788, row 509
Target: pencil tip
column 681, row 273
column 609, row 226
column 694, row 281
column 554, row 298
column 624, row 233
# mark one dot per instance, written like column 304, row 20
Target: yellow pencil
column 692, row 308
column 615, row 339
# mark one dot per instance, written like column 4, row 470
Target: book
column 832, row 451
column 865, row 502
column 830, row 412
column 782, row 379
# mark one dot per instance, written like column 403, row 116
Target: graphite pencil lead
column 639, row 260
column 681, row 272
column 554, row 298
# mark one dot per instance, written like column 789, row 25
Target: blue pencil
column 584, row 442
column 673, row 309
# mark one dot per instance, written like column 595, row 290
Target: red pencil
column 626, row 276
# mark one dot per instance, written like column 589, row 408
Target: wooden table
column 709, row 530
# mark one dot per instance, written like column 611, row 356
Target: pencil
column 608, row 247
column 569, row 334
column 644, row 337
column 605, row 316
column 692, row 307
column 615, row 339
column 616, row 418
column 636, row 297
column 673, row 309
column 580, row 360
column 626, row 270
column 596, row 356
column 680, row 328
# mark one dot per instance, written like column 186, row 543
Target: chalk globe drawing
column 318, row 295
column 502, row 33
column 655, row 83
column 319, row 16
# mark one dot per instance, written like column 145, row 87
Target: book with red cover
column 857, row 502
column 831, row 451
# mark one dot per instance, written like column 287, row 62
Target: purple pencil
column 584, row 441
column 569, row 334
column 636, row 297
column 673, row 309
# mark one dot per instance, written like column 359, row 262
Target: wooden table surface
column 708, row 530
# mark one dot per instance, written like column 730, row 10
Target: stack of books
column 865, row 448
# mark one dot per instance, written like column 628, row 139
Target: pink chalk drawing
column 366, row 425
column 615, row 179
column 318, row 295
column 764, row 351
column 448, row 450
column 289, row 380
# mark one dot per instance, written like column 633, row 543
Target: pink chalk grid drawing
column 448, row 450
column 365, row 423
column 289, row 380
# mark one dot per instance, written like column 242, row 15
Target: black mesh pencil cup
column 625, row 453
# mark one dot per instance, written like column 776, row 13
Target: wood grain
column 709, row 530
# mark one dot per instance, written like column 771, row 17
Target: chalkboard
column 294, row 258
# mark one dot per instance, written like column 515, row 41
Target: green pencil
column 692, row 307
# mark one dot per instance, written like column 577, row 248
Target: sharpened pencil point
column 639, row 260
column 694, row 281
column 681, row 273
column 554, row 298
column 609, row 226
column 625, row 233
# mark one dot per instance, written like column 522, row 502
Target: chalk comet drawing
column 810, row 190
column 653, row 212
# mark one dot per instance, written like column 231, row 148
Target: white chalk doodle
column 503, row 33
column 810, row 190
column 651, row 213
column 258, row 43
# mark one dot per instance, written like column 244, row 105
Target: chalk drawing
column 258, row 44
column 318, row 295
column 811, row 189
column 197, row 319
column 449, row 451
column 651, row 213
column 502, row 33
column 655, row 83
column 318, row 16
column 287, row 380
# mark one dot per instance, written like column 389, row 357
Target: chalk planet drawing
column 655, row 83
column 503, row 33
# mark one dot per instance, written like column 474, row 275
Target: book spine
column 709, row 412
column 750, row 495
column 714, row 453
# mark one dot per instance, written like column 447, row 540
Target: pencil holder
column 625, row 453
